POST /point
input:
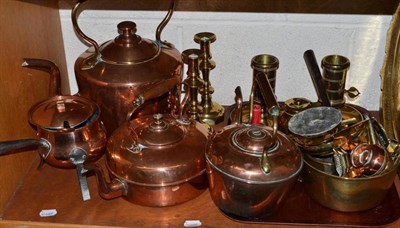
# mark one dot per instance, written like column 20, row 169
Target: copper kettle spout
column 107, row 190
column 46, row 66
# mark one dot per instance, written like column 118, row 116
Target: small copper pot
column 155, row 161
column 251, row 168
column 64, row 123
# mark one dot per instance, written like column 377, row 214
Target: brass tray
column 390, row 76
column 299, row 209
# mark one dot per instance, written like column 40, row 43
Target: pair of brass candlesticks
column 200, row 60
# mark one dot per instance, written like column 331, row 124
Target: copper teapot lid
column 63, row 112
column 157, row 150
column 236, row 151
column 128, row 48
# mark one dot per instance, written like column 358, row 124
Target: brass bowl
column 346, row 194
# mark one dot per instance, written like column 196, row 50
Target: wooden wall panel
column 386, row 7
column 26, row 30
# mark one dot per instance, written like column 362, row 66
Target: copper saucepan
column 69, row 129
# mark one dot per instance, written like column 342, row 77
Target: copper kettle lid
column 63, row 112
column 252, row 139
column 160, row 131
column 157, row 151
column 236, row 151
column 129, row 48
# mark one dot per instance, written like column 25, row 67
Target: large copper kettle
column 155, row 160
column 117, row 73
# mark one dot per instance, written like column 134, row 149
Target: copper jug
column 117, row 73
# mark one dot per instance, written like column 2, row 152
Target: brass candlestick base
column 212, row 115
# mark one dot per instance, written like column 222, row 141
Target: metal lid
column 252, row 139
column 243, row 161
column 157, row 151
column 129, row 48
column 63, row 112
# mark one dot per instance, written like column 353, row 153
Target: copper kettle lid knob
column 127, row 31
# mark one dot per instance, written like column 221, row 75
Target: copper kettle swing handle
column 96, row 56
column 265, row 165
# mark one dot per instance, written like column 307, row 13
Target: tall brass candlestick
column 211, row 112
column 193, row 81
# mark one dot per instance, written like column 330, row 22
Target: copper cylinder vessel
column 117, row 73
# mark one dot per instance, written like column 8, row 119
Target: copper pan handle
column 22, row 145
column 316, row 77
column 266, row 91
column 47, row 66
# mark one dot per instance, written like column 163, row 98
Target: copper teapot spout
column 107, row 190
column 46, row 66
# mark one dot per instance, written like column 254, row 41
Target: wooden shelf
column 52, row 188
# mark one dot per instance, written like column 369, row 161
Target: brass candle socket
column 262, row 64
column 211, row 112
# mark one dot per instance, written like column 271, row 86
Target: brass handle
column 265, row 165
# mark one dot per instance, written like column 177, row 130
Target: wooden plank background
column 384, row 7
column 26, row 30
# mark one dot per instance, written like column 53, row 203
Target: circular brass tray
column 390, row 76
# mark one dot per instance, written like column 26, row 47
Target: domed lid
column 63, row 112
column 157, row 150
column 129, row 48
column 236, row 151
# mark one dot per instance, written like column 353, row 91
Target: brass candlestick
column 211, row 112
column 192, row 83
